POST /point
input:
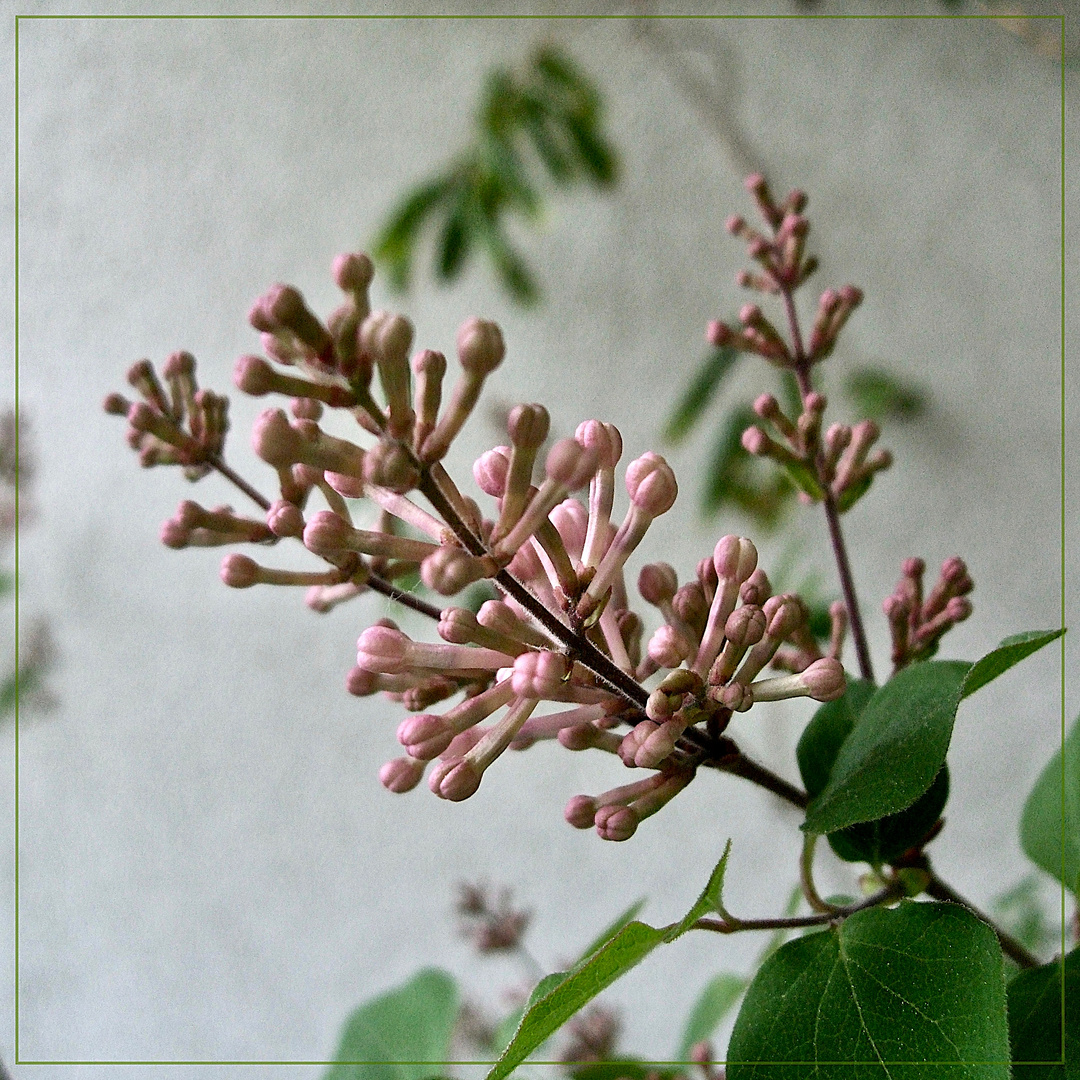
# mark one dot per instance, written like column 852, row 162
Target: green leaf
column 1050, row 824
column 395, row 243
column 874, row 842
column 1010, row 652
column 822, row 738
column 891, row 989
column 403, row 1035
column 1020, row 911
column 559, row 996
column 710, row 374
column 610, row 931
column 456, row 238
column 885, row 840
column 511, row 268
column 878, row 395
column 1036, row 1003
column 713, row 1004
column 894, row 751
column 7, row 582
column 598, row 160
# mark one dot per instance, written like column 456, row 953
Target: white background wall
column 208, row 867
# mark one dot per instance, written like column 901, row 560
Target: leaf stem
column 731, row 925
column 806, row 876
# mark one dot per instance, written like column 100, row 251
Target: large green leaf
column 875, row 842
column 894, row 751
column 562, row 994
column 1037, row 1000
column 891, row 990
column 403, row 1035
column 611, row 930
column 1050, row 825
column 713, row 1004
column 1011, row 651
column 822, row 738
column 712, row 372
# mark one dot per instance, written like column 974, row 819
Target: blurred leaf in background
column 535, row 127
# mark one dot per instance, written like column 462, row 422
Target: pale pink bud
column 383, row 649
column 651, row 484
column 657, row 583
column 239, row 572
column 824, row 679
column 455, row 779
column 580, row 812
column 425, row 736
column 570, row 465
column 391, row 466
column 480, row 346
column 616, row 822
column 605, row 439
column 490, row 470
column 667, row 647
column 540, row 674
column 401, row 774
column 528, row 426
column 449, row 569
column 352, row 272
column 571, row 519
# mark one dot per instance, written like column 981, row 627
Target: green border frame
column 527, row 17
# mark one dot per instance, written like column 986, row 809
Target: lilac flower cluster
column 561, row 654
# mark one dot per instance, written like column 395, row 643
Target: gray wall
column 208, row 867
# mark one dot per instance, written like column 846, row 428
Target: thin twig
column 731, row 925
column 832, row 512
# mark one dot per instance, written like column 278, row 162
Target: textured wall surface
column 208, row 867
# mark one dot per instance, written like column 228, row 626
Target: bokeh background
column 208, row 868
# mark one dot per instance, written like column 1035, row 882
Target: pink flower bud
column 455, row 779
column 657, row 583
column 824, row 679
column 425, row 736
column 480, row 346
column 389, row 465
column 401, row 774
column 449, row 569
column 490, row 470
column 571, row 520
column 539, row 674
column 616, row 822
column 239, row 572
column 580, row 812
column 667, row 647
column 651, row 484
column 352, row 272
column 383, row 649
column 570, row 465
column 605, row 439
column 528, row 426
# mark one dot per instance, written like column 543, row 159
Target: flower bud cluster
column 782, row 267
column 917, row 624
column 185, row 426
column 559, row 656
column 840, row 460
